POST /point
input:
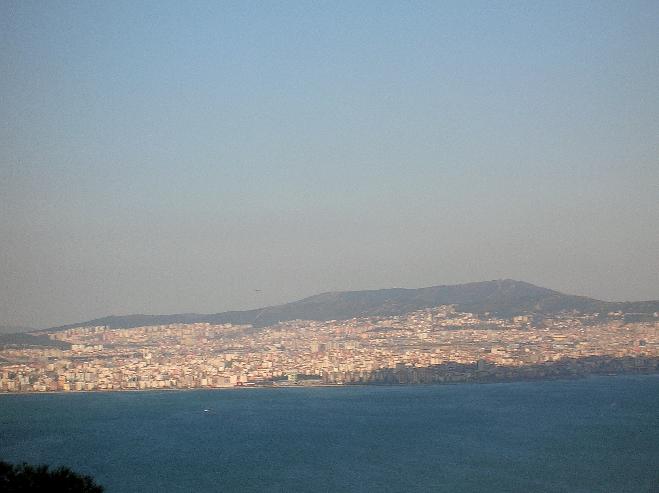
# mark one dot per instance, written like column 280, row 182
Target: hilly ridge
column 503, row 298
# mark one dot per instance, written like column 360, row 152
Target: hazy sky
column 163, row 157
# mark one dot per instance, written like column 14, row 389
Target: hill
column 504, row 298
column 24, row 340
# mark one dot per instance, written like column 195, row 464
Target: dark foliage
column 26, row 478
column 31, row 340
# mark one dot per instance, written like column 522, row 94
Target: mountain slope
column 503, row 297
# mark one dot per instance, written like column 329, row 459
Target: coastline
column 552, row 378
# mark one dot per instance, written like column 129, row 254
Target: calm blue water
column 595, row 435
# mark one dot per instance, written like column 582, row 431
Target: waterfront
column 594, row 434
column 432, row 345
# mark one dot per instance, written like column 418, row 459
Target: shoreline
column 333, row 385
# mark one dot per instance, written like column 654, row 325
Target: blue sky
column 161, row 157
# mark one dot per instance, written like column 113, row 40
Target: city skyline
column 432, row 345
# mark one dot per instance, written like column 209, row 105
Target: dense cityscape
column 430, row 345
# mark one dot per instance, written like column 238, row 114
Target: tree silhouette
column 26, row 478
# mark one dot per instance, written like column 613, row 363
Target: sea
column 598, row 434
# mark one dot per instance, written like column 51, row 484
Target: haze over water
column 595, row 434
